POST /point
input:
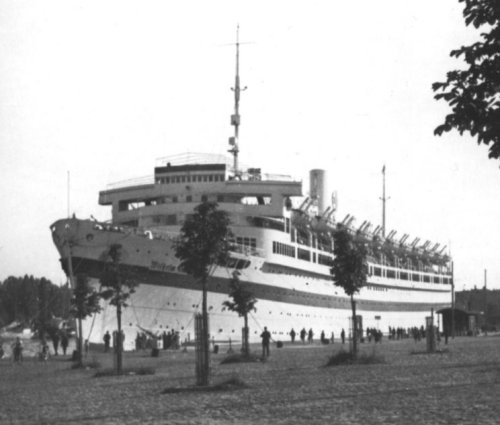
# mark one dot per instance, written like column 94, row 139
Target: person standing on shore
column 107, row 340
column 342, row 336
column 266, row 338
column 292, row 335
column 55, row 342
column 303, row 335
column 17, row 348
column 64, row 342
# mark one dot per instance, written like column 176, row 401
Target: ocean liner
column 283, row 249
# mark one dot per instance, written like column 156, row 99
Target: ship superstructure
column 282, row 247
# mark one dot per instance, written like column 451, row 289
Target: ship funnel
column 318, row 189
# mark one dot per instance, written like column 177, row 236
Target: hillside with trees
column 32, row 301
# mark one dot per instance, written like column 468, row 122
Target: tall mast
column 235, row 118
column 383, row 199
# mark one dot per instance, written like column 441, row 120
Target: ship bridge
column 176, row 188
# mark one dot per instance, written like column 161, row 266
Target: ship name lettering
column 157, row 265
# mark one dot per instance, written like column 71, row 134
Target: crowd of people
column 166, row 340
column 171, row 340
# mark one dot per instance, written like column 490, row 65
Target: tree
column 243, row 303
column 118, row 286
column 474, row 93
column 202, row 245
column 84, row 302
column 32, row 301
column 350, row 268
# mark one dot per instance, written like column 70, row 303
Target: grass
column 131, row 371
column 437, row 351
column 241, row 358
column 92, row 364
column 293, row 386
column 230, row 384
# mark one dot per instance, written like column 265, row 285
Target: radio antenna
column 235, row 118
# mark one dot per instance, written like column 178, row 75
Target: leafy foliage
column 202, row 245
column 118, row 285
column 473, row 93
column 204, row 240
column 243, row 303
column 349, row 263
column 85, row 299
column 243, row 300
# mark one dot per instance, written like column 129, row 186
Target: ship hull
column 166, row 299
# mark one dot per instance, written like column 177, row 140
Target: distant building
column 484, row 303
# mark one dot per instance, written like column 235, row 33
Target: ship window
column 210, row 178
column 303, row 254
column 205, row 178
column 175, row 199
column 204, row 198
column 403, row 276
column 167, row 180
column 171, row 219
column 188, row 179
column 436, row 279
column 427, row 279
column 189, row 198
column 242, row 264
column 377, row 271
column 303, row 238
column 220, row 198
column 325, row 260
column 183, row 179
column 391, row 274
column 415, row 277
column 283, row 249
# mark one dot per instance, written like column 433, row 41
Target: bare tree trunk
column 119, row 341
column 79, row 349
column 246, row 349
column 206, row 351
column 354, row 328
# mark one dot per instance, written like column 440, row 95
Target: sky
column 101, row 89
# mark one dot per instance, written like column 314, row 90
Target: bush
column 230, row 384
column 347, row 358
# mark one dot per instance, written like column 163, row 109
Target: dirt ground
column 461, row 385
